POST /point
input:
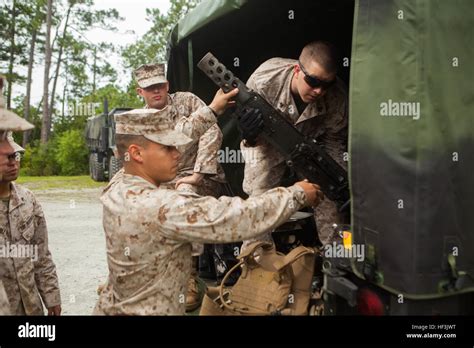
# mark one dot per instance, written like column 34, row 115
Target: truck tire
column 96, row 168
column 114, row 166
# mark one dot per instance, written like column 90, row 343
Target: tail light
column 369, row 303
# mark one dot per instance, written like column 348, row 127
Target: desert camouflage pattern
column 201, row 155
column 144, row 122
column 150, row 74
column 325, row 119
column 193, row 126
column 149, row 232
column 29, row 281
column 9, row 120
column 4, row 304
column 13, row 144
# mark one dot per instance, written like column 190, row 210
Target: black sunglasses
column 313, row 81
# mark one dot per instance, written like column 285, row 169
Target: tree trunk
column 58, row 65
column 94, row 72
column 46, row 125
column 65, row 91
column 36, row 24
column 26, row 115
column 12, row 55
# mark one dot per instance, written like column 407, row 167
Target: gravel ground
column 77, row 243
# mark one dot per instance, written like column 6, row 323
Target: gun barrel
column 223, row 77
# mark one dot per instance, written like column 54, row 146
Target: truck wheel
column 96, row 168
column 114, row 166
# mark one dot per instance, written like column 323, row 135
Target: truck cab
column 99, row 133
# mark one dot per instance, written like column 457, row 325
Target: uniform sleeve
column 264, row 165
column 45, row 270
column 197, row 123
column 252, row 83
column 228, row 219
column 4, row 304
column 335, row 141
column 209, row 143
column 264, row 168
column 207, row 154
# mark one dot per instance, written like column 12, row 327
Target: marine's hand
column 56, row 310
column 222, row 101
column 313, row 192
column 250, row 125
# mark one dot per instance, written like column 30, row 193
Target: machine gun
column 301, row 153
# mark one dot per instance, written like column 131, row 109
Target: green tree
column 15, row 25
column 71, row 153
column 152, row 46
column 39, row 159
column 38, row 17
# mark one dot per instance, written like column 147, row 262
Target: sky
column 134, row 12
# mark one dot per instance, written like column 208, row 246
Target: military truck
column 100, row 141
column 410, row 175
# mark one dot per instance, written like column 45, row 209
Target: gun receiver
column 303, row 154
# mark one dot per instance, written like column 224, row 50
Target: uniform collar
column 130, row 179
column 15, row 199
column 314, row 109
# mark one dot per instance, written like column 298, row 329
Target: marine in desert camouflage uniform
column 198, row 169
column 149, row 229
column 318, row 112
column 27, row 273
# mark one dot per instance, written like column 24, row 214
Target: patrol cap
column 153, row 124
column 150, row 74
column 9, row 137
column 9, row 120
column 16, row 147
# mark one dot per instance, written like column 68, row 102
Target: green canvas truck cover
column 411, row 143
column 411, row 176
column 94, row 127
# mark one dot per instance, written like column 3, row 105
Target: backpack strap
column 250, row 249
column 292, row 256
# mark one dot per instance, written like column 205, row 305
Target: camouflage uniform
column 9, row 121
column 4, row 304
column 201, row 155
column 324, row 120
column 27, row 281
column 149, row 231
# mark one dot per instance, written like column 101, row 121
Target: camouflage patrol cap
column 153, row 124
column 8, row 119
column 150, row 74
column 8, row 136
column 16, row 147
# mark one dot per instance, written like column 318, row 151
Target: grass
column 58, row 182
